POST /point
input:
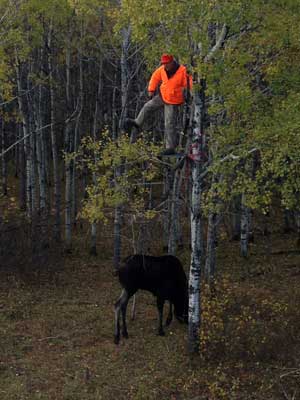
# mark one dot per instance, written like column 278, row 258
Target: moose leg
column 120, row 304
column 124, row 301
column 170, row 315
column 160, row 306
column 117, row 321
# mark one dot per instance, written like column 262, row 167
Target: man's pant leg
column 171, row 131
column 152, row 105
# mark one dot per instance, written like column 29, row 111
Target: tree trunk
column 41, row 160
column 54, row 147
column 77, row 131
column 32, row 141
column 4, row 160
column 37, row 113
column 26, row 143
column 36, row 107
column 93, row 248
column 245, row 228
column 297, row 217
column 126, row 33
column 210, row 262
column 174, row 214
column 118, row 211
column 69, row 145
column 167, row 195
column 22, row 171
column 196, row 222
column 236, row 218
column 212, row 229
column 124, row 112
column 246, row 213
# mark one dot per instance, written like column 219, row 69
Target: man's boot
column 130, row 123
column 168, row 152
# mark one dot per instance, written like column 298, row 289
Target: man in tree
column 173, row 82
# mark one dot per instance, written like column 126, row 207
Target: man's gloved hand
column 150, row 94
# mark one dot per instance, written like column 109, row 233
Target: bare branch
column 23, row 138
column 218, row 44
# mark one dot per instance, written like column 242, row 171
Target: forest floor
column 56, row 332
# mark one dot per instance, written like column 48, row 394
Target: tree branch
column 23, row 138
column 218, row 44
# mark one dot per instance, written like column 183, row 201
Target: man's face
column 168, row 66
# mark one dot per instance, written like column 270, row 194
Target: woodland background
column 77, row 196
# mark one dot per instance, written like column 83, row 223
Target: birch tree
column 93, row 248
column 53, row 134
column 27, row 143
column 126, row 33
column 4, row 160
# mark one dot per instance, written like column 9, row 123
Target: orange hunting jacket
column 171, row 90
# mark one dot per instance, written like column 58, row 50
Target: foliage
column 121, row 170
column 260, row 52
column 239, row 323
column 253, row 79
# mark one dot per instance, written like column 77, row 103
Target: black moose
column 163, row 276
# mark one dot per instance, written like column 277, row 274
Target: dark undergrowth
column 56, row 331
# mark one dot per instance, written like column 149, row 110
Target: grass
column 56, row 334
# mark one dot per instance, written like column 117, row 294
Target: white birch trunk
column 40, row 160
column 245, row 227
column 32, row 143
column 3, row 161
column 212, row 229
column 36, row 111
column 246, row 213
column 196, row 223
column 22, row 171
column 297, row 217
column 77, row 131
column 236, row 218
column 174, row 214
column 56, row 175
column 210, row 262
column 93, row 248
column 124, row 94
column 167, row 194
column 126, row 33
column 26, row 144
column 32, row 174
column 118, row 211
column 68, row 150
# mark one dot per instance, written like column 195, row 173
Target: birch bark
column 210, row 262
column 32, row 141
column 93, row 248
column 245, row 227
column 297, row 217
column 69, row 140
column 35, row 101
column 126, row 32
column 196, row 222
column 118, row 211
column 39, row 156
column 174, row 214
column 22, row 171
column 4, row 161
column 27, row 147
column 54, row 147
column 77, row 129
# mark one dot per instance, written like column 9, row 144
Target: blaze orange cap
column 166, row 58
